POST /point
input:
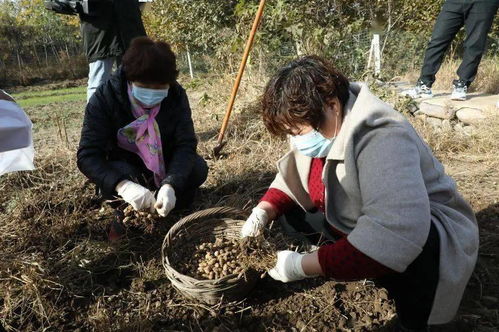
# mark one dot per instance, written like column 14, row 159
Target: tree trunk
column 46, row 55
column 19, row 61
column 36, row 56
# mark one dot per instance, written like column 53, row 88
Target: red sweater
column 340, row 260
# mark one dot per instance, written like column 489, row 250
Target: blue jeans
column 99, row 72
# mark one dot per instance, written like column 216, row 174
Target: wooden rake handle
column 235, row 88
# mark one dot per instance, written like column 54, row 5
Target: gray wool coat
column 384, row 187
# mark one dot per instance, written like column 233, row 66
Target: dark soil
column 58, row 272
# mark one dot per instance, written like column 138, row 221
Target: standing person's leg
column 478, row 23
column 449, row 21
column 99, row 72
column 414, row 289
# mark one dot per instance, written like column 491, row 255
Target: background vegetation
column 37, row 45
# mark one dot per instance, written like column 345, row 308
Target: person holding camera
column 107, row 32
column 107, row 28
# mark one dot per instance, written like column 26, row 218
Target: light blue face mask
column 312, row 144
column 149, row 97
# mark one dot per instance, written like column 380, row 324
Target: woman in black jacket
column 138, row 133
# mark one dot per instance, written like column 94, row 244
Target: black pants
column 413, row 290
column 145, row 178
column 310, row 226
column 476, row 16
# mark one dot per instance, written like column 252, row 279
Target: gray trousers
column 99, row 72
column 476, row 16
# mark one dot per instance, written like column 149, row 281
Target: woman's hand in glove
column 293, row 266
column 255, row 222
column 139, row 197
column 166, row 200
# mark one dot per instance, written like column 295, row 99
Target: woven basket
column 204, row 226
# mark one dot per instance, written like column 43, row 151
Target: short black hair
column 151, row 62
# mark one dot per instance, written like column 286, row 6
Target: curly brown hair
column 149, row 61
column 298, row 93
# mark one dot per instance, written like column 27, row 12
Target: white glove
column 255, row 222
column 139, row 197
column 166, row 200
column 288, row 267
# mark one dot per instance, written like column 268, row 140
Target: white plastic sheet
column 16, row 141
column 17, row 160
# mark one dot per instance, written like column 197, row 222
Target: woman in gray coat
column 357, row 163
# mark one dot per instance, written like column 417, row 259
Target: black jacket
column 110, row 31
column 108, row 110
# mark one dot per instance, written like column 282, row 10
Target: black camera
column 73, row 7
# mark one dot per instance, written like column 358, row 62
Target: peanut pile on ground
column 145, row 220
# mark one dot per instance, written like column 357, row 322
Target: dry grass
column 58, row 272
column 447, row 142
column 487, row 79
column 247, row 163
column 55, row 262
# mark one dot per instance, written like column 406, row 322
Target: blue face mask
column 312, row 144
column 149, row 97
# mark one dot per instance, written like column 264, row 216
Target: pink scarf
column 143, row 137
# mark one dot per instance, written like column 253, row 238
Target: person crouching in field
column 138, row 133
column 384, row 198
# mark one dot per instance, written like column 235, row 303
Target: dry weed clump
column 247, row 163
column 47, row 203
column 487, row 78
column 26, row 292
column 41, row 210
column 449, row 142
column 143, row 220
